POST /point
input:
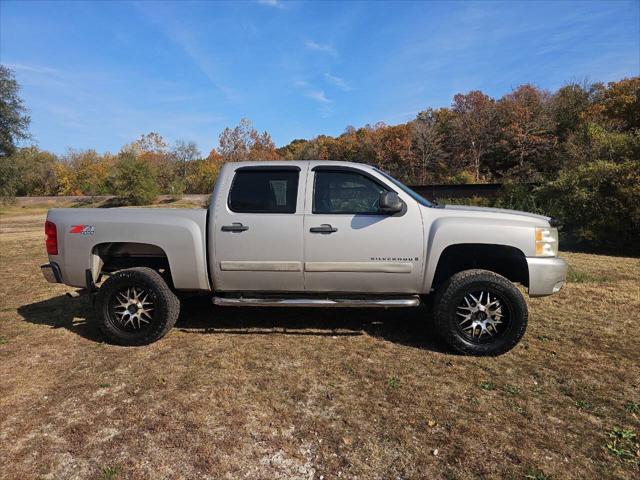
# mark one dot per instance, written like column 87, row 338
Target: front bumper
column 546, row 275
column 51, row 272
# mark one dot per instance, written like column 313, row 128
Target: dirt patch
column 310, row 394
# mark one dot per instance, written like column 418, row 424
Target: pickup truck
column 310, row 234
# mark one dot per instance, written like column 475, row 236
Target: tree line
column 580, row 144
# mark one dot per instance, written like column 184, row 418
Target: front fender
column 445, row 232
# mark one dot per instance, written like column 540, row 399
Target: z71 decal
column 83, row 229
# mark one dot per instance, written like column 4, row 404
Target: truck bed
column 87, row 235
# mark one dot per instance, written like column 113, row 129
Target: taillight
column 51, row 232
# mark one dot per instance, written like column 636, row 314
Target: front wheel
column 136, row 307
column 478, row 312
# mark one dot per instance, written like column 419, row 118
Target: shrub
column 133, row 182
column 9, row 179
column 598, row 205
column 518, row 196
column 176, row 188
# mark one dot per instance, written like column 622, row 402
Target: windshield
column 417, row 197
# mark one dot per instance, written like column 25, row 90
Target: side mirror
column 390, row 203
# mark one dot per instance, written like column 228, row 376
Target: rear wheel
column 478, row 312
column 136, row 307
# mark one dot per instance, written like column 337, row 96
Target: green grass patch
column 535, row 474
column 109, row 473
column 393, row 382
column 623, row 444
column 577, row 276
column 583, row 405
column 632, row 407
column 511, row 389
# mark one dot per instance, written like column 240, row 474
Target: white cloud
column 310, row 91
column 337, row 81
column 321, row 47
column 271, row 3
column 21, row 67
column 318, row 96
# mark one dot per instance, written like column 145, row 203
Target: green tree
column 133, row 181
column 14, row 120
column 37, row 170
column 598, row 204
column 9, row 179
column 567, row 107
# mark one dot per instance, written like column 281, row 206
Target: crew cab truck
column 311, row 234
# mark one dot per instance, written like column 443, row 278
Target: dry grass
column 315, row 393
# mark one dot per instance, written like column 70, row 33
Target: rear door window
column 264, row 191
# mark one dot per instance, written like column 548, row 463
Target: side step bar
column 411, row 301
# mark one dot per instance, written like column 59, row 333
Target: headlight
column 546, row 242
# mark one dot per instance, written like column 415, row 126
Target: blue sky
column 97, row 75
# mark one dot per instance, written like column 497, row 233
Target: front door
column 257, row 230
column 349, row 245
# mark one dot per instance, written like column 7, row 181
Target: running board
column 412, row 301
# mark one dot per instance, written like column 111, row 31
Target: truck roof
column 299, row 163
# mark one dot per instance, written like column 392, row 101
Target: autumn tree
column 153, row 149
column 262, row 147
column 243, row 142
column 14, row 120
column 608, row 127
column 202, row 173
column 428, row 144
column 88, row 172
column 393, row 152
column 151, row 142
column 473, row 127
column 292, row 150
column 618, row 105
column 526, row 132
column 185, row 152
column 320, row 148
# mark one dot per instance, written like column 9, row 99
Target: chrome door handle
column 234, row 227
column 324, row 228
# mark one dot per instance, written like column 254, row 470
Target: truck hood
column 496, row 210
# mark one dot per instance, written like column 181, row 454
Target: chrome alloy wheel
column 481, row 316
column 132, row 309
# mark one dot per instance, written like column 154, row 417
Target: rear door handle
column 324, row 228
column 234, row 227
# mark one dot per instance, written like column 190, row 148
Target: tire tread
column 171, row 305
column 452, row 287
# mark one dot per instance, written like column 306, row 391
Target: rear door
column 349, row 245
column 258, row 230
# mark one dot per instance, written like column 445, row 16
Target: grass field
column 315, row 394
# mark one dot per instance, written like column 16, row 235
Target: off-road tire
column 166, row 306
column 450, row 295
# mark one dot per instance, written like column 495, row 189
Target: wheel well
column 501, row 259
column 113, row 256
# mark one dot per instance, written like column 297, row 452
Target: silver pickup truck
column 310, row 234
